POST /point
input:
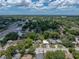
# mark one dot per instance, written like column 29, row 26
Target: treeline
column 55, row 27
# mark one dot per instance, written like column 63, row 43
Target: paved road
column 12, row 28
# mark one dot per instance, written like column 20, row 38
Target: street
column 12, row 28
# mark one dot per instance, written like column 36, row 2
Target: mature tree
column 76, row 54
column 55, row 35
column 46, row 34
column 2, row 53
column 39, row 37
column 31, row 35
column 71, row 50
column 67, row 43
column 27, row 43
column 10, row 36
column 70, row 37
column 51, row 34
column 74, row 32
column 10, row 52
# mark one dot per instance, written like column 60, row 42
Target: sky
column 39, row 7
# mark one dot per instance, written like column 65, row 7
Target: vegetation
column 67, row 43
column 10, row 52
column 21, row 47
column 41, row 28
column 10, row 36
column 76, row 55
column 55, row 55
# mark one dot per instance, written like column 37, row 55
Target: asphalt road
column 12, row 28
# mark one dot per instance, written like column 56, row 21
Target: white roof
column 45, row 42
column 9, row 41
column 59, row 41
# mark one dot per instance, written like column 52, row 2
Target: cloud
column 40, row 4
column 63, row 3
column 13, row 1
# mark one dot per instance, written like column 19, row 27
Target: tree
column 67, row 43
column 71, row 50
column 39, row 37
column 10, row 52
column 46, row 34
column 32, row 50
column 74, row 32
column 55, row 35
column 2, row 53
column 71, row 37
column 25, row 44
column 76, row 54
column 31, row 35
column 10, row 36
column 51, row 34
column 28, row 42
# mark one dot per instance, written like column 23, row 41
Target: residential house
column 46, row 43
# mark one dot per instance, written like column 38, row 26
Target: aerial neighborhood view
column 39, row 29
